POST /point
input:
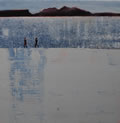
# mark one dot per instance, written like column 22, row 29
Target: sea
column 61, row 32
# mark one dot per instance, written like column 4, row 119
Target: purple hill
column 64, row 11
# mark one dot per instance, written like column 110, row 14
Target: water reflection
column 27, row 85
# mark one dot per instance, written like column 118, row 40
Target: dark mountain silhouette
column 16, row 13
column 106, row 14
column 48, row 12
column 64, row 11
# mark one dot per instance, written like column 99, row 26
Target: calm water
column 87, row 32
column 59, row 85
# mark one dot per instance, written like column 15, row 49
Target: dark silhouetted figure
column 36, row 42
column 25, row 43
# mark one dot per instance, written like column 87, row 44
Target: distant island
column 64, row 11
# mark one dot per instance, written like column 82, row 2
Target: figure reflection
column 27, row 85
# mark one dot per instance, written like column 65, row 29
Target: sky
column 37, row 5
column 57, row 0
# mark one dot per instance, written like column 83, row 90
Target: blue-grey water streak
column 27, row 85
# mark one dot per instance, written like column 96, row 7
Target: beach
column 59, row 85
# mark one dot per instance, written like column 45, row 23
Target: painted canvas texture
column 59, row 61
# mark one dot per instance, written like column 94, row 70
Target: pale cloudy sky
column 55, row 0
column 37, row 5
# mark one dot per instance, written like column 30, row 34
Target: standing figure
column 25, row 42
column 36, row 42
